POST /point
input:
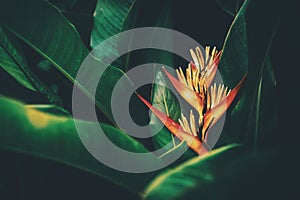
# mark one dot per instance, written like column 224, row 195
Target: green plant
column 41, row 38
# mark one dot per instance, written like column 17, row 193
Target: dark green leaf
column 266, row 108
column 43, row 27
column 29, row 131
column 231, row 174
column 66, row 4
column 109, row 18
column 164, row 100
column 193, row 176
column 246, row 50
column 14, row 63
column 83, row 23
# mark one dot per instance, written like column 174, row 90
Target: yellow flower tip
column 189, row 95
column 221, row 102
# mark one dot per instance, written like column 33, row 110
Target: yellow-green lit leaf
column 231, row 173
column 192, row 176
column 27, row 130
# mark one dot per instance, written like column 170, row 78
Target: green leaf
column 29, row 131
column 192, row 177
column 14, row 63
column 230, row 6
column 266, row 108
column 83, row 23
column 246, row 49
column 67, row 4
column 44, row 28
column 109, row 19
column 164, row 100
column 49, row 109
column 230, row 173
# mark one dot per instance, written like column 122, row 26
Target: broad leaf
column 193, row 176
column 14, row 63
column 54, row 137
column 109, row 19
column 230, row 173
column 43, row 27
column 246, row 49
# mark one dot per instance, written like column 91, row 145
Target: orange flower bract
column 210, row 101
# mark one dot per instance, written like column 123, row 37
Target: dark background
column 207, row 23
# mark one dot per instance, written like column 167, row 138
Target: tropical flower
column 210, row 101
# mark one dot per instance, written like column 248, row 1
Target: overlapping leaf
column 14, row 63
column 43, row 27
column 246, row 49
column 230, row 173
column 54, row 137
column 190, row 180
column 109, row 19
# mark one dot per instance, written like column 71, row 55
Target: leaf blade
column 55, row 138
column 49, row 33
column 246, row 49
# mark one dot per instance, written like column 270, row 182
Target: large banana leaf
column 44, row 28
column 231, row 173
column 24, row 129
column 192, row 177
column 246, row 49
